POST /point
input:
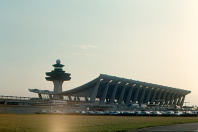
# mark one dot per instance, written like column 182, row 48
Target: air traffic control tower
column 58, row 76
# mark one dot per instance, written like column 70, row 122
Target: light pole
column 185, row 105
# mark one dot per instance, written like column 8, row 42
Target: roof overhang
column 114, row 80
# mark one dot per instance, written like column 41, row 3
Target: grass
column 37, row 122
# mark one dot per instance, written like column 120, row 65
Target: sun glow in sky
column 152, row 41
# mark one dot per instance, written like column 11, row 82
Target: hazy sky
column 155, row 41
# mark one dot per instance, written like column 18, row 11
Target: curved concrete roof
column 115, row 79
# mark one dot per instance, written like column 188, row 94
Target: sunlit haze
column 154, row 41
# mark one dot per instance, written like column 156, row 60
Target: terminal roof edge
column 118, row 79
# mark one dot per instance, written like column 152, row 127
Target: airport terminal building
column 106, row 89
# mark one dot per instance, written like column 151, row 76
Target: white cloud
column 61, row 55
column 85, row 46
column 88, row 54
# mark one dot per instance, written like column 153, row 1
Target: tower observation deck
column 58, row 76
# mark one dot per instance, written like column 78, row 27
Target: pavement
column 192, row 127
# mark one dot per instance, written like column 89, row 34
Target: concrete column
column 179, row 100
column 148, row 96
column 114, row 93
column 39, row 95
column 142, row 97
column 86, row 99
column 136, row 94
column 159, row 96
column 70, row 99
column 153, row 98
column 121, row 95
column 105, row 92
column 171, row 101
column 166, row 101
column 129, row 95
column 78, row 98
column 182, row 102
column 95, row 91
column 163, row 98
column 175, row 99
column 50, row 96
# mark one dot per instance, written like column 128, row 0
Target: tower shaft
column 58, row 85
